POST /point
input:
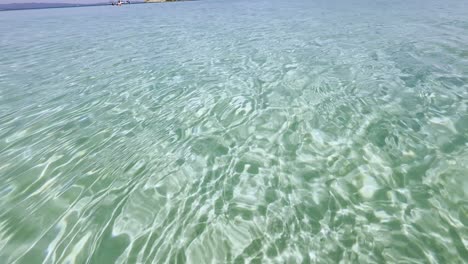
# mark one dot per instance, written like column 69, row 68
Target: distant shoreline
column 34, row 6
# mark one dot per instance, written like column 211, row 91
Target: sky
column 53, row 1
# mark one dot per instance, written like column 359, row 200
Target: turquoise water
column 235, row 132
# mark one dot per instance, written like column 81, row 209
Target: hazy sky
column 53, row 1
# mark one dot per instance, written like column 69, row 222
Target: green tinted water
column 235, row 132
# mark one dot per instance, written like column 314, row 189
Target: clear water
column 235, row 132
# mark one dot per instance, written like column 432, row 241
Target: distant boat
column 120, row 3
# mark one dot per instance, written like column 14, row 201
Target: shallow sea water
column 235, row 132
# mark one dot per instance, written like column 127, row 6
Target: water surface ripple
column 235, row 132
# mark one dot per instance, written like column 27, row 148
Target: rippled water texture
column 235, row 132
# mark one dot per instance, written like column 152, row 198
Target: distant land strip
column 25, row 6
